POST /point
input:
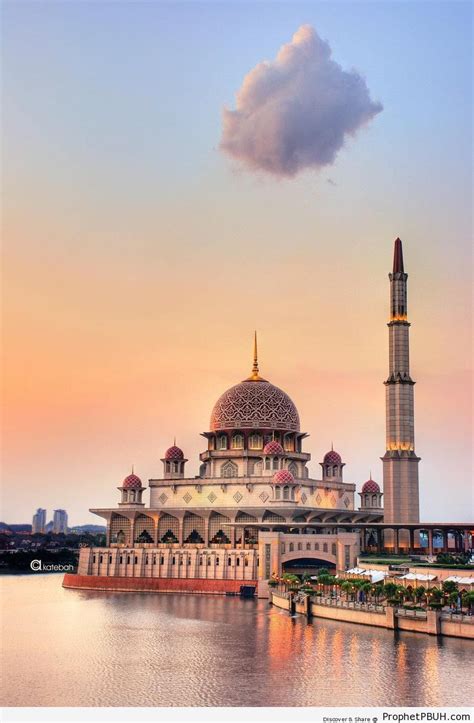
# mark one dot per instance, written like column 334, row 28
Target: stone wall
column 165, row 585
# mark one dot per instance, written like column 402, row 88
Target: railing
column 336, row 603
column 457, row 618
column 404, row 613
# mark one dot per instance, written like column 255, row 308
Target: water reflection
column 65, row 647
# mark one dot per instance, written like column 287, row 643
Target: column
column 396, row 542
column 107, row 534
column 412, row 540
column 155, row 532
column 132, row 531
column 445, row 541
column 206, row 533
column 430, row 542
column 465, row 535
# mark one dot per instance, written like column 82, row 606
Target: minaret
column 400, row 463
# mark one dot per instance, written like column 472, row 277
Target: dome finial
column 255, row 376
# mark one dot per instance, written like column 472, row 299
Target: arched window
column 238, row 441
column 268, row 463
column 334, row 471
column 328, row 471
column 193, row 529
column 168, row 528
column 325, row 547
column 291, row 547
column 316, row 545
column 144, row 529
column 229, row 469
column 286, row 493
column 300, row 546
column 255, row 441
column 176, row 466
column 219, row 529
column 119, row 529
column 333, row 548
column 308, row 545
column 293, row 468
column 222, row 442
column 277, row 493
column 168, row 466
column 275, row 463
column 374, row 500
column 289, row 444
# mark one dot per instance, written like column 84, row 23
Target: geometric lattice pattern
column 120, row 529
column 218, row 531
column 144, row 529
column 257, row 404
column 168, row 529
column 193, row 528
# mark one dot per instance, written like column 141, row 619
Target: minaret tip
column 398, row 257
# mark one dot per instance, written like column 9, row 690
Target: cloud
column 295, row 112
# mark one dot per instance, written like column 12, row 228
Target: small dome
column 370, row 486
column 174, row 453
column 132, row 482
column 283, row 477
column 332, row 457
column 273, row 447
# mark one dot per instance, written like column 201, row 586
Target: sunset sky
column 139, row 256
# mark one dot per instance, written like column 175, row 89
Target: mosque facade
column 253, row 510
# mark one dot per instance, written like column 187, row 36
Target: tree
column 420, row 593
column 390, row 589
column 346, row 586
column 449, row 586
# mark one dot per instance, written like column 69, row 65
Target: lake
column 80, row 648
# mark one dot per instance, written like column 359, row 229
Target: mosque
column 253, row 511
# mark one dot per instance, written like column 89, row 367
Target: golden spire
column 255, row 376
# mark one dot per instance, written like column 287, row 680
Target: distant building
column 60, row 522
column 39, row 521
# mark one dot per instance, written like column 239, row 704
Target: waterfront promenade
column 433, row 622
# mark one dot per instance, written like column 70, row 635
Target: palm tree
column 420, row 593
column 390, row 589
column 347, row 587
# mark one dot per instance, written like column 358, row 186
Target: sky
column 139, row 255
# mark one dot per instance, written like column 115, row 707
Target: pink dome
column 132, row 482
column 283, row 477
column 370, row 486
column 332, row 457
column 273, row 447
column 174, row 453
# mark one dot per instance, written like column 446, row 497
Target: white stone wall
column 170, row 562
column 244, row 493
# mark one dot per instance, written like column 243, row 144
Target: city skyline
column 131, row 301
